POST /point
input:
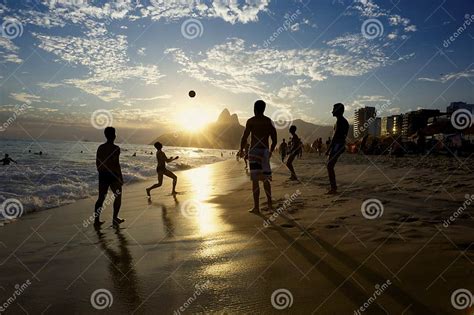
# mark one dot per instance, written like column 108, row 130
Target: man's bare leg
column 289, row 164
column 268, row 191
column 256, row 197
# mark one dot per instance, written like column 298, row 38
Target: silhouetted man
column 260, row 128
column 110, row 176
column 283, row 150
column 295, row 147
column 7, row 160
column 337, row 145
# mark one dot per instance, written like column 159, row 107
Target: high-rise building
column 363, row 119
column 391, row 125
column 413, row 121
column 454, row 106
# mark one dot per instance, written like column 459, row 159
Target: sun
column 195, row 119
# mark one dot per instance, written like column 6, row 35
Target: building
column 363, row 119
column 391, row 125
column 454, row 106
column 416, row 120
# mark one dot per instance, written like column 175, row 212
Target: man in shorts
column 161, row 169
column 110, row 176
column 260, row 128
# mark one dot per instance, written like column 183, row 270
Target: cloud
column 240, row 68
column 154, row 98
column 105, row 57
column 9, row 52
column 468, row 73
column 25, row 98
column 229, row 11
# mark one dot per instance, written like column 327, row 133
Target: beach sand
column 202, row 252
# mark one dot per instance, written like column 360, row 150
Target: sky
column 70, row 67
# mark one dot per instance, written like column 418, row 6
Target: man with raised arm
column 260, row 128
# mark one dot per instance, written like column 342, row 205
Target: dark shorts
column 109, row 180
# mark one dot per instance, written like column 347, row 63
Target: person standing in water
column 110, row 176
column 337, row 145
column 295, row 147
column 260, row 128
column 7, row 160
column 161, row 169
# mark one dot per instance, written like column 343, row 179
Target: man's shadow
column 121, row 269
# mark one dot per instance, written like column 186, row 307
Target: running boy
column 161, row 169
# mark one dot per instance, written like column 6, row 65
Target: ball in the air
column 192, row 93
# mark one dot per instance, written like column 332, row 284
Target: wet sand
column 203, row 252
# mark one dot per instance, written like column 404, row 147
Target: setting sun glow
column 195, row 119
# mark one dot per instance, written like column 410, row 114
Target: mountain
column 226, row 132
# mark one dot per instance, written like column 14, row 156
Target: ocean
column 66, row 171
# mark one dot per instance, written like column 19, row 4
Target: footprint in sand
column 287, row 225
column 331, row 226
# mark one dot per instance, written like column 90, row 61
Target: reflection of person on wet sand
column 161, row 169
column 337, row 145
column 121, row 269
column 260, row 128
column 110, row 176
column 7, row 159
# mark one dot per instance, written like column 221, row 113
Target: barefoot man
column 110, row 176
column 337, row 145
column 260, row 128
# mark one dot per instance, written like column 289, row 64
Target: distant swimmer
column 260, row 128
column 337, row 145
column 161, row 169
column 39, row 153
column 110, row 176
column 295, row 147
column 7, row 160
column 134, row 154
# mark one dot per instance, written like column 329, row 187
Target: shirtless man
column 295, row 147
column 7, row 160
column 337, row 145
column 161, row 170
column 110, row 176
column 260, row 128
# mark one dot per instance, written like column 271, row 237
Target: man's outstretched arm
column 245, row 136
column 273, row 136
